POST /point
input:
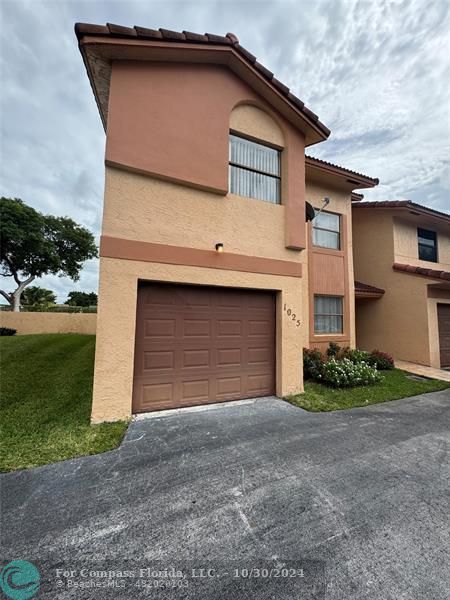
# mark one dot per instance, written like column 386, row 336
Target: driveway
column 351, row 504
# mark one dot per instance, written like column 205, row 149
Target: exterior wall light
column 219, row 247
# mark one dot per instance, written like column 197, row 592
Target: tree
column 81, row 299
column 38, row 296
column 33, row 245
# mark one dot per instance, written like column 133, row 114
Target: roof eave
column 108, row 48
column 349, row 178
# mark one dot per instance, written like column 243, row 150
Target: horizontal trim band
column 112, row 247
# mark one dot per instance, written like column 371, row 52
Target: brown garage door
column 444, row 333
column 196, row 345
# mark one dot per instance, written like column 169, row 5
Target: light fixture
column 219, row 247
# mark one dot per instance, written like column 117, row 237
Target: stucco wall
column 330, row 272
column 403, row 321
column 172, row 121
column 406, row 248
column 114, row 360
column 45, row 322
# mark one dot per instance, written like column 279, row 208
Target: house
column 211, row 279
column 403, row 249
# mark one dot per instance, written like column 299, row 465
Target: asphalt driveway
column 270, row 501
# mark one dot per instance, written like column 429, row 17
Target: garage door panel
column 443, row 311
column 205, row 345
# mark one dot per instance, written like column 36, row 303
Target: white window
column 328, row 314
column 327, row 230
column 255, row 170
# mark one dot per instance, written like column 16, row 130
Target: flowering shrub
column 313, row 362
column 345, row 373
column 355, row 355
column 381, row 360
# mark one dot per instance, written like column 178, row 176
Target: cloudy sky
column 376, row 72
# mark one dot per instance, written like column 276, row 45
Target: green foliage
column 7, row 331
column 396, row 384
column 355, row 356
column 381, row 360
column 345, row 373
column 33, row 245
column 313, row 362
column 38, row 297
column 333, row 350
column 81, row 299
column 46, row 401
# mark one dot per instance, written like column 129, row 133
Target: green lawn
column 46, row 396
column 395, row 385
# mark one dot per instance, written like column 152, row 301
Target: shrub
column 313, row 362
column 333, row 350
column 355, row 355
column 381, row 360
column 7, row 331
column 345, row 373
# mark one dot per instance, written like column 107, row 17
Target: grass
column 46, row 396
column 396, row 384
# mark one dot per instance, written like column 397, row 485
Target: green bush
column 345, row 373
column 7, row 331
column 333, row 350
column 355, row 355
column 313, row 362
column 381, row 360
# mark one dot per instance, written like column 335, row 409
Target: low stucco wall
column 45, row 322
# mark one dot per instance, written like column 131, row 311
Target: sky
column 376, row 72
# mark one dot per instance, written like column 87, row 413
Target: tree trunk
column 14, row 297
column 16, row 300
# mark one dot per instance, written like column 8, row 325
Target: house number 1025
column 292, row 315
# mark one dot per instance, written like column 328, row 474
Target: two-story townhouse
column 403, row 248
column 211, row 281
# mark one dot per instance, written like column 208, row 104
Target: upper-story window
column 427, row 244
column 327, row 230
column 255, row 170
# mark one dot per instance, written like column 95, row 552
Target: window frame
column 341, row 315
column 339, row 232
column 265, row 144
column 434, row 246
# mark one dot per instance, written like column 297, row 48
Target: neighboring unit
column 211, row 281
column 404, row 249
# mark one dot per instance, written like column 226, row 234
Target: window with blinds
column 255, row 170
column 327, row 230
column 328, row 314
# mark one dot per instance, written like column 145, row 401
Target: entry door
column 198, row 344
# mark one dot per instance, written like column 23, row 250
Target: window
column 427, row 245
column 328, row 314
column 327, row 230
column 254, row 170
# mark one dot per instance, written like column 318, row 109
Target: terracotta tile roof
column 357, row 197
column 433, row 273
column 408, row 204
column 230, row 39
column 364, row 288
column 319, row 162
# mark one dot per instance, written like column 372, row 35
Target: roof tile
column 280, row 86
column 195, row 37
column 172, row 35
column 151, row 34
column 402, row 204
column 248, row 55
column 120, row 30
column 218, row 39
column 368, row 289
column 433, row 273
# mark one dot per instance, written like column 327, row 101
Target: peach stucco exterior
column 168, row 113
column 404, row 320
column 144, row 208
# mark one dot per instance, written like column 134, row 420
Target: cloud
column 377, row 73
